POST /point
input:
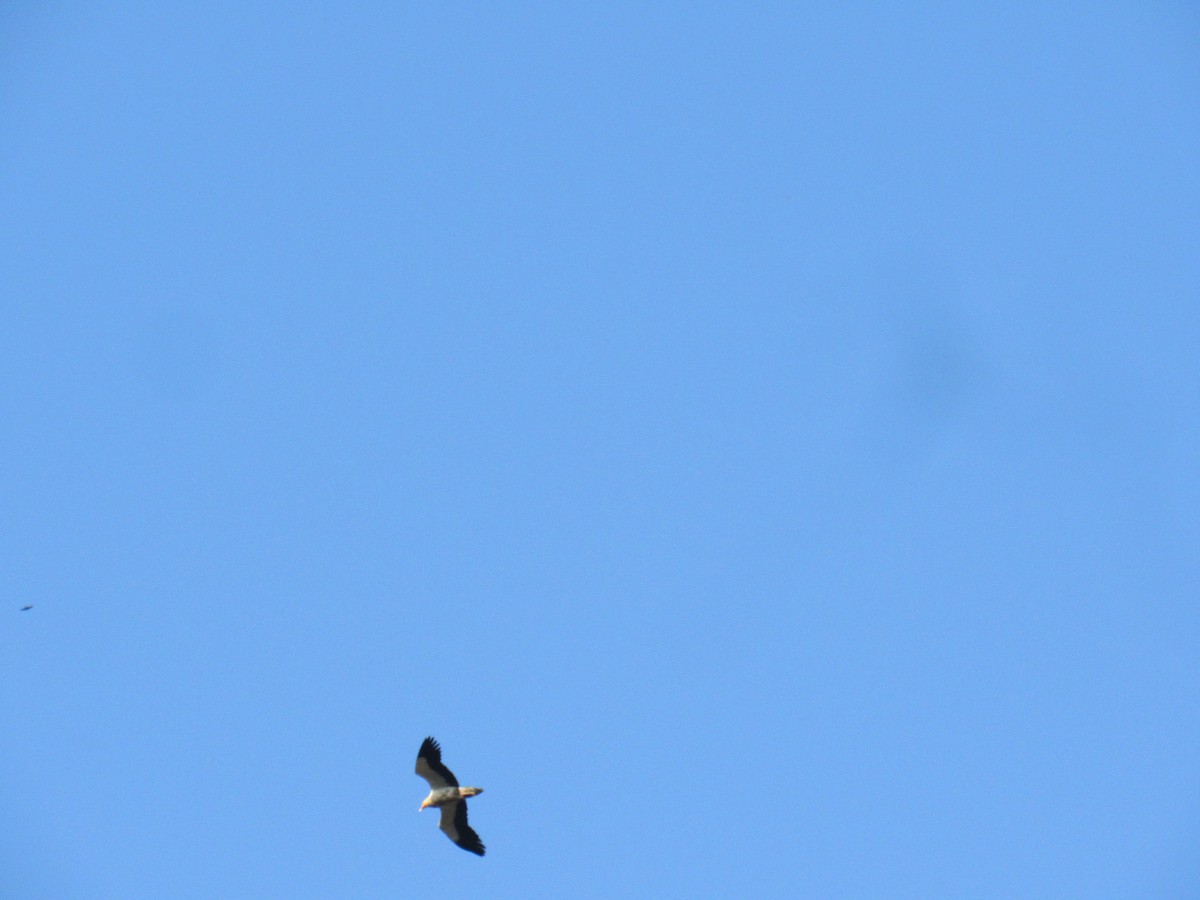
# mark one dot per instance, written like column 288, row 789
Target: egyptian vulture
column 445, row 792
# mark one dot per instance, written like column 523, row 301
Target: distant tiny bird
column 446, row 793
column 27, row 607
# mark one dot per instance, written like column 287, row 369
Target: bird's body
column 446, row 794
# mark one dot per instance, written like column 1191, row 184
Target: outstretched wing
column 454, row 824
column 429, row 766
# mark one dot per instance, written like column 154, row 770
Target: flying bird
column 445, row 793
column 27, row 607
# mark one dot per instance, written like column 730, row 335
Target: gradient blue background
column 760, row 441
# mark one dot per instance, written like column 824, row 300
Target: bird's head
column 425, row 804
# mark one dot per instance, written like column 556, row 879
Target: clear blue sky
column 759, row 441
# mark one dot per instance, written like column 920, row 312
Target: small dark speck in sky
column 27, row 606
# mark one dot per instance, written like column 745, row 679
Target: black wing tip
column 470, row 842
column 430, row 747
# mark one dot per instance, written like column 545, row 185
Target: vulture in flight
column 445, row 792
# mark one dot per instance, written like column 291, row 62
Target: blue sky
column 759, row 442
